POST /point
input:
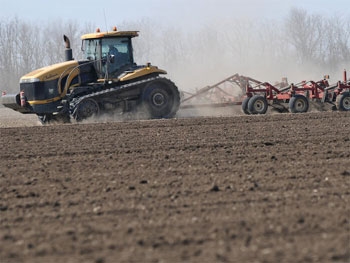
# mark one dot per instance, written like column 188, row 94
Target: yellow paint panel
column 110, row 34
column 41, row 102
column 50, row 72
column 142, row 72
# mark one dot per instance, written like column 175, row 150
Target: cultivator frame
column 216, row 95
column 256, row 96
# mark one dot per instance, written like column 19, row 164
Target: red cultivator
column 255, row 96
column 296, row 98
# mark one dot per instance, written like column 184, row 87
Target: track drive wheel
column 257, row 105
column 50, row 118
column 343, row 101
column 86, row 109
column 245, row 105
column 160, row 99
column 45, row 118
column 298, row 104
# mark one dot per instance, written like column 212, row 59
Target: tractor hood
column 50, row 72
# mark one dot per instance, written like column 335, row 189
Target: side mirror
column 111, row 59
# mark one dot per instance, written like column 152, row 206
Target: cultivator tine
column 209, row 88
column 215, row 94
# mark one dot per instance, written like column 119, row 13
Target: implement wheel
column 245, row 105
column 257, row 105
column 86, row 109
column 298, row 104
column 343, row 101
column 160, row 99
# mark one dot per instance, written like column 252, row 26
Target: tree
column 25, row 47
column 337, row 43
column 304, row 33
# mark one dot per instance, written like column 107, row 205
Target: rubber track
column 77, row 100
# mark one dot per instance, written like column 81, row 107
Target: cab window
column 91, row 48
column 120, row 48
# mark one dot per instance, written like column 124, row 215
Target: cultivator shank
column 224, row 93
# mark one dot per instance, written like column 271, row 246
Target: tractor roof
column 113, row 33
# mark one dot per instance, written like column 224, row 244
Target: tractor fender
column 144, row 71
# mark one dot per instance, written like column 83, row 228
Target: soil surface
column 270, row 188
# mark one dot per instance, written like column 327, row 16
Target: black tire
column 257, row 105
column 160, row 99
column 343, row 102
column 245, row 105
column 86, row 109
column 298, row 104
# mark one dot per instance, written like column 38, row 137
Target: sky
column 186, row 14
column 111, row 12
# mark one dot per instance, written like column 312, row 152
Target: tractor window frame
column 122, row 44
column 92, row 49
column 98, row 51
column 121, row 49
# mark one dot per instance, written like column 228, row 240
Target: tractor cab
column 111, row 52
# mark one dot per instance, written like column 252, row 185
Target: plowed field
column 271, row 188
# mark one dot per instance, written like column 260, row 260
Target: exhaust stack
column 68, row 52
column 345, row 77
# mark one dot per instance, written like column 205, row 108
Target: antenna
column 104, row 14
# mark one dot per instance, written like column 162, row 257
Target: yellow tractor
column 107, row 80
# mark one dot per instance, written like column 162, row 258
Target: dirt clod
column 215, row 188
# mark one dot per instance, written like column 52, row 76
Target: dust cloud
column 268, row 50
column 10, row 118
column 255, row 47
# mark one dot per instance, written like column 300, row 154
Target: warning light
column 115, row 28
column 98, row 30
column 23, row 99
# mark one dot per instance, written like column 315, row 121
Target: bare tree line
column 301, row 44
column 25, row 47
